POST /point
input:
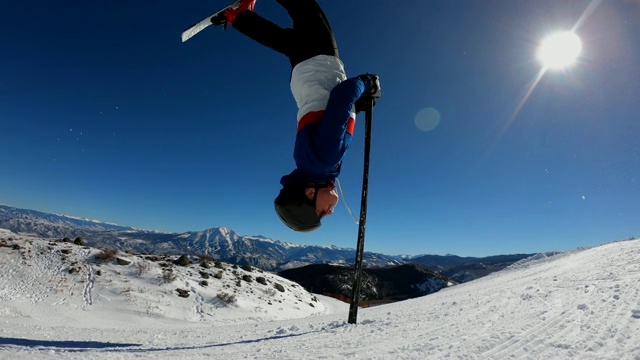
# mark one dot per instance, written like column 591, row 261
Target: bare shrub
column 142, row 267
column 107, row 254
column 271, row 292
column 226, row 298
column 126, row 290
column 205, row 258
column 168, row 276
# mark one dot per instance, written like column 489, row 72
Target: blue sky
column 105, row 114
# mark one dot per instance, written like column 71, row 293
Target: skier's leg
column 312, row 33
column 265, row 32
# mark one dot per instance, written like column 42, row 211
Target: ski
column 201, row 25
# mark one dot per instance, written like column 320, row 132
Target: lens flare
column 427, row 119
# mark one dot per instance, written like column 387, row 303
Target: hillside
column 580, row 304
column 46, row 275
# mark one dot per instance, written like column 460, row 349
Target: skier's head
column 301, row 206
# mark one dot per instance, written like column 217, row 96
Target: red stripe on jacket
column 316, row 116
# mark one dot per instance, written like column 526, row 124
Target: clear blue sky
column 105, row 114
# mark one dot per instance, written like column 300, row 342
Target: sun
column 560, row 50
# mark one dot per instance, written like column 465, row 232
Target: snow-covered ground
column 583, row 304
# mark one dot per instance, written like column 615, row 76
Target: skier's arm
column 338, row 119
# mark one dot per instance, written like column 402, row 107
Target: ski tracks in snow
column 199, row 301
column 594, row 310
column 88, row 286
column 39, row 282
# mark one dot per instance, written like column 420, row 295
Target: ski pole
column 355, row 290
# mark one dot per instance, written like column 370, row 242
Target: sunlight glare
column 559, row 50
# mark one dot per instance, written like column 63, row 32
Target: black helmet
column 295, row 209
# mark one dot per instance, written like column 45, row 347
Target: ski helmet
column 295, row 209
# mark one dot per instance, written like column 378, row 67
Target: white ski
column 197, row 27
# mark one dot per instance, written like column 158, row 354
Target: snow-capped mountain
column 219, row 243
column 224, row 244
column 50, row 225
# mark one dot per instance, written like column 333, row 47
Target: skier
column 327, row 102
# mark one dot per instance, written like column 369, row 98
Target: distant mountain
column 463, row 269
column 45, row 224
column 394, row 283
column 220, row 243
column 226, row 245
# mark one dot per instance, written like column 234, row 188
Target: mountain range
column 226, row 245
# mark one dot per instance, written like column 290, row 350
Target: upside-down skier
column 327, row 104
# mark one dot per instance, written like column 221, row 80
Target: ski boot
column 228, row 16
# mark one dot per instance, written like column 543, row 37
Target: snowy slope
column 58, row 281
column 583, row 304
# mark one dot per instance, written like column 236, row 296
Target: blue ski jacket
column 326, row 118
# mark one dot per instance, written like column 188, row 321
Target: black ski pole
column 355, row 290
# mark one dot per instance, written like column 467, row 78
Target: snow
column 582, row 304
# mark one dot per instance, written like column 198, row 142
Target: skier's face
column 326, row 199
